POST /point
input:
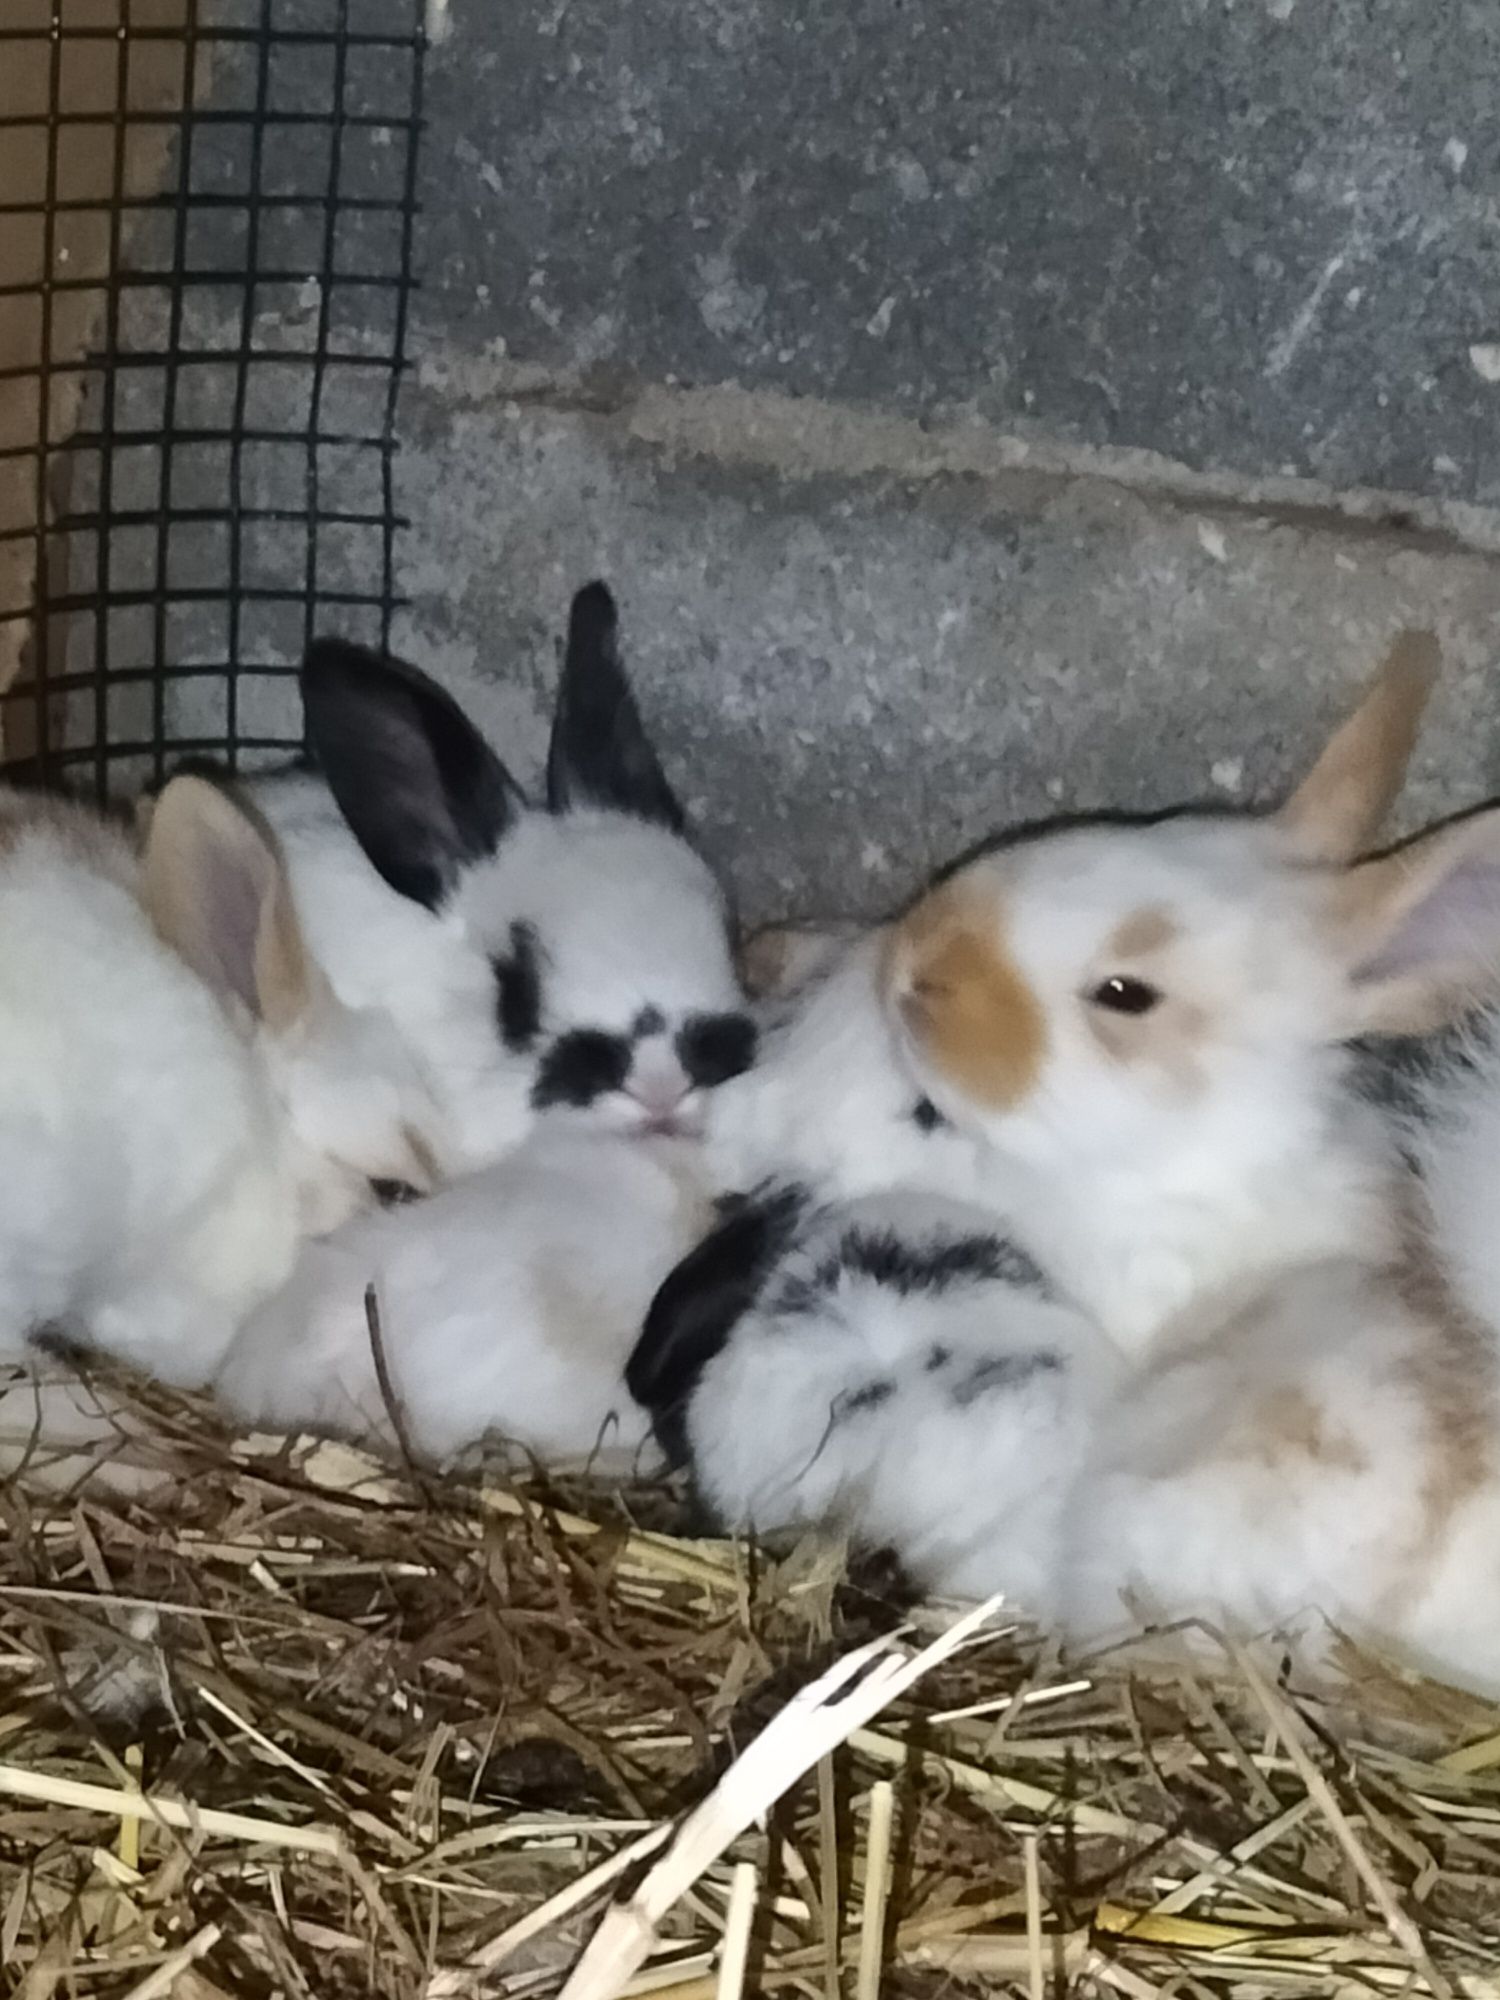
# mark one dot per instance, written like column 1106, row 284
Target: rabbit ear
column 1336, row 812
column 216, row 890
column 702, row 1301
column 423, row 793
column 1419, row 929
column 600, row 754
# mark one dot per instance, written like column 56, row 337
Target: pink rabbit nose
column 661, row 1092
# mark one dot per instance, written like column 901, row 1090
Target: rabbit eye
column 1122, row 995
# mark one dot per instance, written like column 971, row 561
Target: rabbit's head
column 608, row 936
column 354, row 1112
column 1162, row 1003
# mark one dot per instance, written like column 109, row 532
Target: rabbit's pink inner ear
column 1337, row 811
column 216, row 890
column 1419, row 929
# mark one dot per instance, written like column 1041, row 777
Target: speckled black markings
column 579, row 1068
column 869, row 1396
column 1005, row 1372
column 933, row 1267
column 518, row 990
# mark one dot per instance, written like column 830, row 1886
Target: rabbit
column 506, row 1305
column 818, row 1362
column 1145, row 1023
column 181, row 1097
column 571, row 961
column 509, row 1303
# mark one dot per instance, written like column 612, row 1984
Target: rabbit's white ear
column 1419, row 929
column 216, row 889
column 1336, row 812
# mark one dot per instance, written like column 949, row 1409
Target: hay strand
column 364, row 1736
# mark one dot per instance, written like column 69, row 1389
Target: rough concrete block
column 855, row 674
column 1253, row 234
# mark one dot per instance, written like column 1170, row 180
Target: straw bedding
column 370, row 1732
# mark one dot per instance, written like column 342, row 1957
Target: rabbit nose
column 659, row 1088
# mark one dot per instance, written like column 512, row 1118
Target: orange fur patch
column 966, row 1000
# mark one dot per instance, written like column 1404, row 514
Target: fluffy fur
column 183, row 1100
column 1249, row 1390
column 508, row 1304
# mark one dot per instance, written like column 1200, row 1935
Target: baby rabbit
column 509, row 1303
column 1143, row 1024
column 506, row 1305
column 573, row 959
column 182, row 1099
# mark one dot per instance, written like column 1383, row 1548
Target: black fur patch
column 712, row 1048
column 703, row 1300
column 933, row 1266
column 926, row 1116
column 650, row 1021
column 423, row 793
column 869, row 1396
column 518, row 989
column 1005, row 1371
column 600, row 754
column 581, row 1067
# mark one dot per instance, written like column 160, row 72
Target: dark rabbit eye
column 1122, row 995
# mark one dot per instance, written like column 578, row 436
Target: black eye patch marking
column 579, row 1067
column 1006, row 1371
column 518, row 989
column 926, row 1116
column 712, row 1048
column 650, row 1021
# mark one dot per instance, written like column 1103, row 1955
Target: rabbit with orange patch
column 1261, row 1395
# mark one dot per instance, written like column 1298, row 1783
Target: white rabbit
column 507, row 1304
column 181, row 1097
column 574, row 959
column 1145, row 1023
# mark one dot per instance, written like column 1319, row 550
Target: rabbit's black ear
column 600, row 754
column 423, row 793
column 702, row 1301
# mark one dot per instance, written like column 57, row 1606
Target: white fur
column 1454, row 1135
column 508, row 1304
column 160, row 1161
column 627, row 915
column 779, row 1437
column 1142, row 1185
column 831, row 1098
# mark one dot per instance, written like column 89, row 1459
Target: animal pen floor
column 403, row 1736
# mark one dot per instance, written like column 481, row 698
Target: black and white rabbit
column 571, row 958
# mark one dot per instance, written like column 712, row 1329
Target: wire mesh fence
column 206, row 237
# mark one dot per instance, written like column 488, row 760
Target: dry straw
column 482, row 1737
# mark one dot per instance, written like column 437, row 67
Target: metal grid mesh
column 211, row 469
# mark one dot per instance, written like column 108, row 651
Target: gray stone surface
column 853, row 676
column 1255, row 234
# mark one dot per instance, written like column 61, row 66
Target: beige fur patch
column 965, row 999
